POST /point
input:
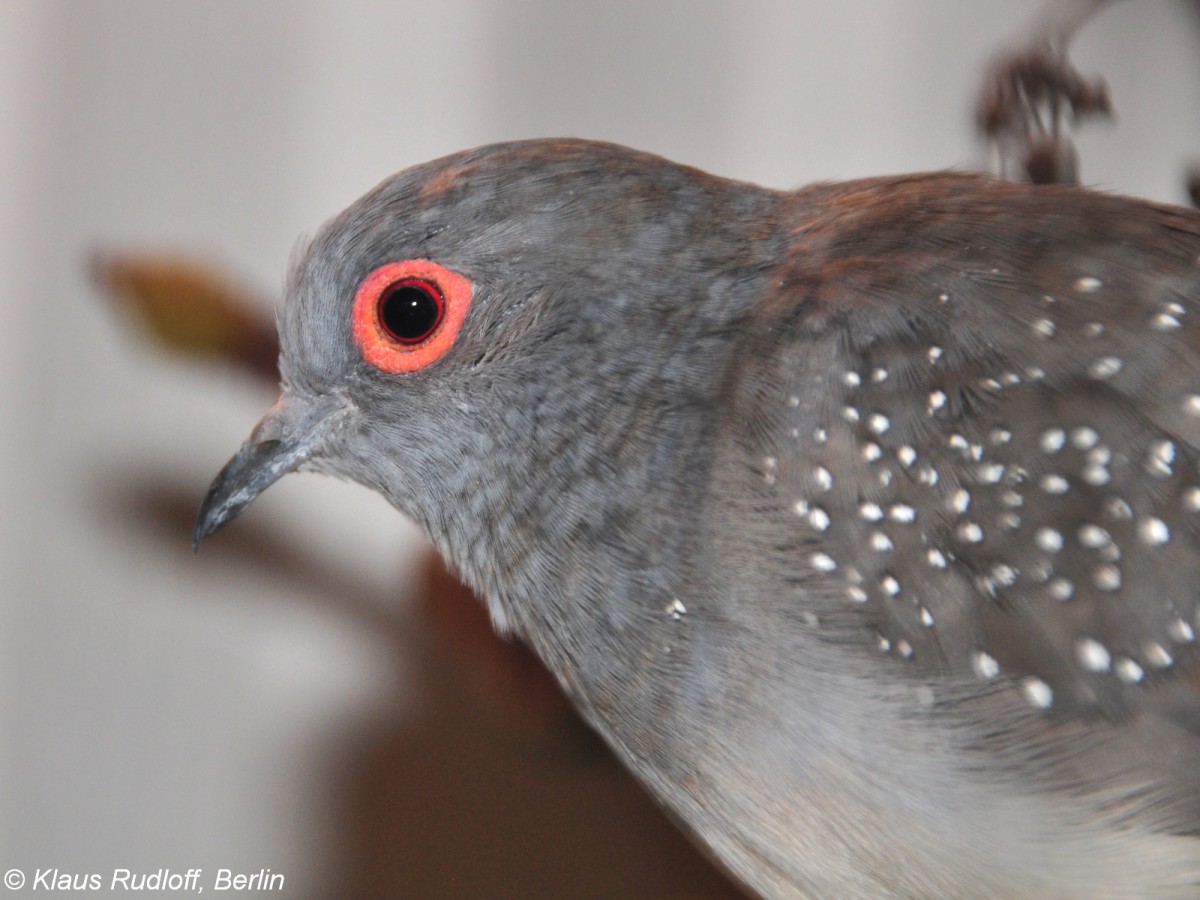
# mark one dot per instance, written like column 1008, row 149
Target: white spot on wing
column 1164, row 322
column 1107, row 577
column 1154, row 531
column 823, row 479
column 1084, row 438
column 1053, row 440
column 970, row 532
column 823, row 562
column 769, row 465
column 1128, row 670
column 1118, row 508
column 1105, row 367
column 1054, row 484
column 1157, row 656
column 1004, row 575
column 985, row 666
column 1061, row 589
column 1037, row 692
column 1092, row 655
column 1161, row 458
column 1048, row 540
column 1181, row 632
column 872, row 512
column 1093, row 536
column 990, row 473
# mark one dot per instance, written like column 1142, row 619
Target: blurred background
column 310, row 695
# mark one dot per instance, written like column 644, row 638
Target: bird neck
column 582, row 536
column 597, row 448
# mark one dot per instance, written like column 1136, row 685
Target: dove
column 862, row 521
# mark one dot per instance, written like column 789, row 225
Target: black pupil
column 410, row 311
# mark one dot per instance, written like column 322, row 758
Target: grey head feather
column 577, row 356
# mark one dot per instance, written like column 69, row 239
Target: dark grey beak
column 281, row 442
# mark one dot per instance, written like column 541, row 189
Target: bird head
column 490, row 338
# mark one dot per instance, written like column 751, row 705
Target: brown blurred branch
column 190, row 308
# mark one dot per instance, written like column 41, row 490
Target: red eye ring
column 406, row 314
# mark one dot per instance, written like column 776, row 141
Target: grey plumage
column 862, row 521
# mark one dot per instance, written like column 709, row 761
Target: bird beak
column 281, row 442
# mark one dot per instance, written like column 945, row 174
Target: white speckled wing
column 990, row 449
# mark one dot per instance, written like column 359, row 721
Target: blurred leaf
column 190, row 308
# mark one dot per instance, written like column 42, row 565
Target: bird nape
column 862, row 521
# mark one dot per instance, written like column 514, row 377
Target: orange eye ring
column 406, row 314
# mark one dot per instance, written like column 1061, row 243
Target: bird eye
column 410, row 310
column 407, row 314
